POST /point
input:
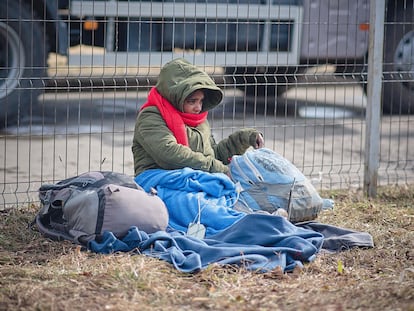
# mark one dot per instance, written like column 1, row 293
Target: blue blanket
column 257, row 242
column 186, row 191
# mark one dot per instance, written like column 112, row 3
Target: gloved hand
column 259, row 141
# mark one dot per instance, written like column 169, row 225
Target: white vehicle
column 262, row 45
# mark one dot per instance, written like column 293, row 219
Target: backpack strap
column 49, row 218
column 51, row 230
column 101, row 211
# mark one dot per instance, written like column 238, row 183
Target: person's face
column 194, row 102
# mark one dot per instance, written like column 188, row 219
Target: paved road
column 71, row 133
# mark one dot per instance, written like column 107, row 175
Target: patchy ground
column 39, row 274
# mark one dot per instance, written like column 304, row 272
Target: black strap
column 101, row 211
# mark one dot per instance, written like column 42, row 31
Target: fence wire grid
column 73, row 75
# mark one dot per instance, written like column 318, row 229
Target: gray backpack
column 81, row 208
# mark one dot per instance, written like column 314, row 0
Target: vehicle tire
column 23, row 52
column 398, row 68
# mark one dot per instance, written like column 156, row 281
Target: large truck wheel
column 398, row 66
column 23, row 52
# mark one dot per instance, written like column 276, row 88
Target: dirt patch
column 39, row 274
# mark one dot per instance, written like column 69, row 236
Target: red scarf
column 175, row 119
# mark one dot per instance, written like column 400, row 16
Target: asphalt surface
column 320, row 129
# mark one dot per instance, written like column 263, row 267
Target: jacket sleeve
column 160, row 144
column 237, row 143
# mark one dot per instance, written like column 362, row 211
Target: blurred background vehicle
column 262, row 47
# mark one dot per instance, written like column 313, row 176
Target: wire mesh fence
column 74, row 74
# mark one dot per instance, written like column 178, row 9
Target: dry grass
column 38, row 274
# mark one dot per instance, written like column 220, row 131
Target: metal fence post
column 373, row 110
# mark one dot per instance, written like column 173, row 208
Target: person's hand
column 259, row 141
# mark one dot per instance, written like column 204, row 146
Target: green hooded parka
column 155, row 146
